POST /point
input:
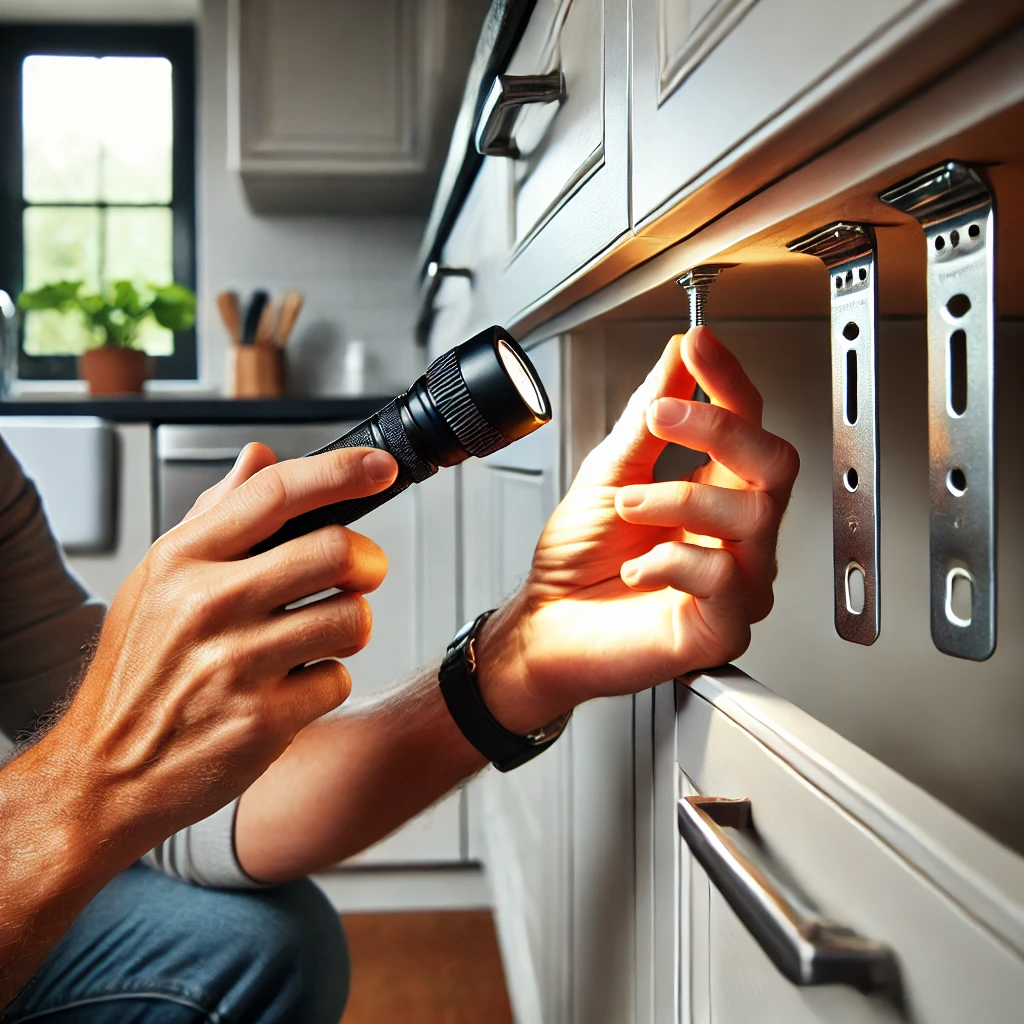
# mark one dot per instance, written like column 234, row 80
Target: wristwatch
column 461, row 691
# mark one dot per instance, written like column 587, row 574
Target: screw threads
column 698, row 295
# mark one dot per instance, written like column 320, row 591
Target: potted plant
column 113, row 365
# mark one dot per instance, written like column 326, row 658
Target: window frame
column 176, row 43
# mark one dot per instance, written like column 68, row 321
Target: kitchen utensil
column 227, row 304
column 266, row 325
column 291, row 306
column 252, row 316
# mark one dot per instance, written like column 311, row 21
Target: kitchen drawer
column 713, row 78
column 860, row 846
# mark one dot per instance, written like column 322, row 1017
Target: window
column 98, row 179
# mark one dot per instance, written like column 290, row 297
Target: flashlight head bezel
column 496, row 396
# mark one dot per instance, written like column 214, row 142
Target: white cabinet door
column 415, row 617
column 712, row 78
column 566, row 194
column 521, row 821
column 844, row 838
column 339, row 107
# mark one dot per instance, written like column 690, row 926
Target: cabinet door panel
column 414, row 622
column 561, row 145
column 568, row 197
column 709, row 75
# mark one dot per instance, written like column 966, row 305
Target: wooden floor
column 437, row 967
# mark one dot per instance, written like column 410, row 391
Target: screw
column 697, row 283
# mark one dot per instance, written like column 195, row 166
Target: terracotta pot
column 113, row 371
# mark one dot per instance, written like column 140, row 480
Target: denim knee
column 293, row 958
column 149, row 947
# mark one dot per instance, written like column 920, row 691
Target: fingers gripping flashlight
column 474, row 400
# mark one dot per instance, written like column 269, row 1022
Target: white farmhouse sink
column 71, row 461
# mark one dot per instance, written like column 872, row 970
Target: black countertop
column 201, row 409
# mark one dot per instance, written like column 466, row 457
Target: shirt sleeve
column 204, row 853
column 47, row 622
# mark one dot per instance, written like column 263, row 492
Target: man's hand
column 197, row 682
column 634, row 582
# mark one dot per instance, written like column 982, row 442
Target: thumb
column 628, row 453
column 251, row 459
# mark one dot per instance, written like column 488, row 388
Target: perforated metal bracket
column 848, row 251
column 955, row 207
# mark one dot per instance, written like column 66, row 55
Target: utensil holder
column 254, row 371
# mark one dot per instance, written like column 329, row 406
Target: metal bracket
column 848, row 251
column 955, row 207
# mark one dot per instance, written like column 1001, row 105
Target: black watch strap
column 461, row 691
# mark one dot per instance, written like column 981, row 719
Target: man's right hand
column 197, row 683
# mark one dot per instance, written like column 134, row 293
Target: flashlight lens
column 521, row 377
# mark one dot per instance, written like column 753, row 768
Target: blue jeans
column 154, row 950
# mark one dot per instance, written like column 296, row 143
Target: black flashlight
column 474, row 400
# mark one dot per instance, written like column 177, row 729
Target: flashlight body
column 381, row 430
column 473, row 400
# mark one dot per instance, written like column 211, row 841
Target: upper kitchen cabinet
column 728, row 95
column 345, row 106
column 566, row 159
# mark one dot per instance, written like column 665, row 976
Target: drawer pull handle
column 807, row 950
column 436, row 275
column 507, row 95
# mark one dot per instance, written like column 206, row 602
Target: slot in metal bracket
column 955, row 206
column 848, row 251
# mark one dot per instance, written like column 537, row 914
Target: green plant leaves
column 60, row 295
column 174, row 307
column 118, row 312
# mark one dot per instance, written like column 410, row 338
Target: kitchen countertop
column 200, row 409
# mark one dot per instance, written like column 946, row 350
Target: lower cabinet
column 834, row 839
column 521, row 822
column 555, row 836
column 418, row 600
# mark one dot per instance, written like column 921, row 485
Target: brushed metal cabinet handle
column 807, row 950
column 436, row 275
column 508, row 93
